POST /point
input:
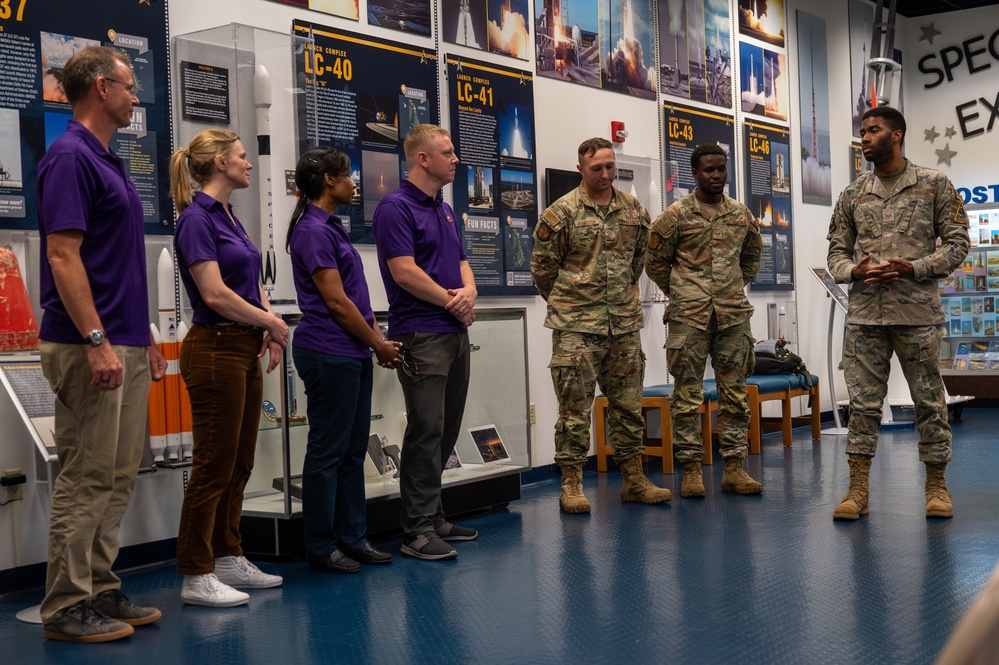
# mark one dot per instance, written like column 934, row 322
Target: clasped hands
column 890, row 271
column 462, row 305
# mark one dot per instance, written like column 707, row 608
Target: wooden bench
column 657, row 397
column 783, row 387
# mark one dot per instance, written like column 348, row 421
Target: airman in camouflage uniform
column 589, row 250
column 882, row 241
column 703, row 251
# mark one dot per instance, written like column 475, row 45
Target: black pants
column 434, row 384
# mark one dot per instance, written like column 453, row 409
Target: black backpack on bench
column 772, row 357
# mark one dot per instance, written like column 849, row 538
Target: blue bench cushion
column 771, row 383
column 666, row 389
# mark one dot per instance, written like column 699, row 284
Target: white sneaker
column 239, row 572
column 209, row 591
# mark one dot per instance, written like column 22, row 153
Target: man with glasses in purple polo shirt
column 95, row 349
column 431, row 294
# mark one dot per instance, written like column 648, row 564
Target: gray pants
column 434, row 384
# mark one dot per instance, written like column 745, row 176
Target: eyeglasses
column 409, row 367
column 129, row 87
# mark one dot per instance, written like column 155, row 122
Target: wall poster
column 687, row 128
column 36, row 40
column 402, row 15
column 763, row 21
column 369, row 93
column 813, row 82
column 768, row 195
column 695, row 50
column 499, row 27
column 600, row 43
column 496, row 185
column 763, row 81
column 344, row 8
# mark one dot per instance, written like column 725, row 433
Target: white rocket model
column 167, row 306
column 262, row 102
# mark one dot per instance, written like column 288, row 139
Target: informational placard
column 768, row 194
column 204, row 93
column 606, row 45
column 858, row 165
column 36, row 40
column 685, row 129
column 496, row 185
column 695, row 50
column 344, row 8
column 369, row 93
column 499, row 27
column 834, row 289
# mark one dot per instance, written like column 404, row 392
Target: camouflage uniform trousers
column 732, row 359
column 579, row 362
column 867, row 352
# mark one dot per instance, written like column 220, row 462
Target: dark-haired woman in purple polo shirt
column 220, row 362
column 332, row 351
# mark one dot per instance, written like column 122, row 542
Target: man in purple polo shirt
column 431, row 294
column 95, row 349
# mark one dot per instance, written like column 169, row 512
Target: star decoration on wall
column 945, row 154
column 930, row 134
column 949, row 132
column 929, row 32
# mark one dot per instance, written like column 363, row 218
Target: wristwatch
column 96, row 337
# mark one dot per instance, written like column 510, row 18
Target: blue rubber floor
column 766, row 579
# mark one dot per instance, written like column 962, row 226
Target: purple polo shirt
column 82, row 187
column 205, row 232
column 407, row 222
column 320, row 241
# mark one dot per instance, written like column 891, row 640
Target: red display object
column 18, row 328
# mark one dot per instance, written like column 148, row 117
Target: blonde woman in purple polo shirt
column 332, row 351
column 233, row 326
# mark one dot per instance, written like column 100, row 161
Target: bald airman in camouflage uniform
column 882, row 241
column 703, row 251
column 589, row 250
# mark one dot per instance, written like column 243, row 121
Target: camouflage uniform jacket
column 922, row 207
column 704, row 266
column 586, row 263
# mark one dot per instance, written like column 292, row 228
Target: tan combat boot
column 854, row 504
column 693, row 483
column 572, row 500
column 636, row 487
column 735, row 479
column 938, row 503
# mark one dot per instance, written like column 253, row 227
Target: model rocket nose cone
column 166, row 296
column 261, row 86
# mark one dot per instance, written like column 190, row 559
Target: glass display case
column 244, row 79
column 492, row 451
column 969, row 354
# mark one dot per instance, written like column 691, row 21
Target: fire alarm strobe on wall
column 618, row 135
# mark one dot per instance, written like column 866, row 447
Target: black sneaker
column 430, row 547
column 448, row 531
column 82, row 623
column 116, row 605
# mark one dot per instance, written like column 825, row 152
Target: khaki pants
column 100, row 436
